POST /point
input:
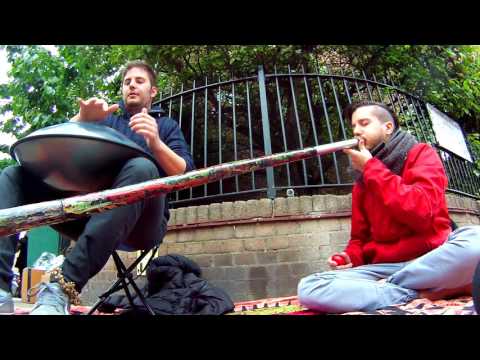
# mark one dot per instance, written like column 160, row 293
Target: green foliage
column 447, row 76
column 45, row 88
column 37, row 89
column 6, row 162
column 474, row 140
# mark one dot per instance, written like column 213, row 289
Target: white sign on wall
column 448, row 133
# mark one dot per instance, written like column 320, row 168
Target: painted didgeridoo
column 20, row 218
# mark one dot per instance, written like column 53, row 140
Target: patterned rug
column 291, row 306
column 74, row 310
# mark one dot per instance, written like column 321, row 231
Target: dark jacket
column 174, row 287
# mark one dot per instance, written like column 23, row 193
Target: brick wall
column 261, row 248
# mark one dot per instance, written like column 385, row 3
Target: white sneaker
column 51, row 300
column 6, row 303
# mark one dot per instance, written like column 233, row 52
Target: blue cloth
column 449, row 266
column 169, row 132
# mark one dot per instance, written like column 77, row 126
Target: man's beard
column 134, row 107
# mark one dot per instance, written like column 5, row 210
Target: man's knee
column 141, row 168
column 468, row 237
column 13, row 172
column 314, row 290
column 11, row 187
column 304, row 289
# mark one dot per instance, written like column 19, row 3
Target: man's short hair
column 387, row 115
column 143, row 65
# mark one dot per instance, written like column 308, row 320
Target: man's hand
column 145, row 125
column 334, row 266
column 359, row 157
column 94, row 109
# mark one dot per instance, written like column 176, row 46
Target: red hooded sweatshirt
column 398, row 218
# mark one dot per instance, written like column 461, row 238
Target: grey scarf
column 393, row 153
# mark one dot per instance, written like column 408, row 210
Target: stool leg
column 140, row 295
column 128, row 271
column 103, row 297
column 124, row 274
column 119, row 284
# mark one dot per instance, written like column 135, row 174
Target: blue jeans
column 357, row 289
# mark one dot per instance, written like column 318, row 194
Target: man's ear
column 389, row 127
column 153, row 92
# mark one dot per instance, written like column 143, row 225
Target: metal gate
column 269, row 113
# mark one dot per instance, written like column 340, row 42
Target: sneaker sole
column 7, row 309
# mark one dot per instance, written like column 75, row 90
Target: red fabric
column 399, row 218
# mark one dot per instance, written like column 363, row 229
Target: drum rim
column 130, row 144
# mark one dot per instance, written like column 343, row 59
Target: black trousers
column 141, row 225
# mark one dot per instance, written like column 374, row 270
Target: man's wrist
column 157, row 145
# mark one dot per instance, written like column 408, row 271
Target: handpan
column 76, row 156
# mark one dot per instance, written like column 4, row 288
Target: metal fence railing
column 269, row 113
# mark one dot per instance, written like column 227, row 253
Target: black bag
column 175, row 287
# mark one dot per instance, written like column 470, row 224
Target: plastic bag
column 48, row 261
column 15, row 284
